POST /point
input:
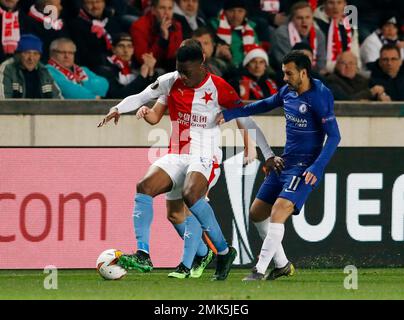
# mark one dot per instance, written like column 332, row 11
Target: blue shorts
column 287, row 186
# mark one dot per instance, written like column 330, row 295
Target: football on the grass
column 107, row 265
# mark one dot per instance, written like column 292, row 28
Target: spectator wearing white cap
column 253, row 81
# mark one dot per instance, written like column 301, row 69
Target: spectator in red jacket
column 158, row 33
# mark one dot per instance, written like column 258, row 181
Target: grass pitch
column 306, row 284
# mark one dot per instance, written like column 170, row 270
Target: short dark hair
column 302, row 46
column 190, row 50
column 390, row 46
column 300, row 59
column 202, row 31
column 118, row 37
column 297, row 6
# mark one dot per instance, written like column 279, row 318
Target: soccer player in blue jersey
column 309, row 110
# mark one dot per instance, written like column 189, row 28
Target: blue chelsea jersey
column 305, row 115
column 309, row 117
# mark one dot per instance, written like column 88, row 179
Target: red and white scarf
column 334, row 40
column 294, row 37
column 98, row 28
column 78, row 75
column 256, row 89
column 224, row 32
column 126, row 75
column 10, row 31
column 47, row 21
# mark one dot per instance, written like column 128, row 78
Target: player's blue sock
column 202, row 248
column 192, row 240
column 205, row 215
column 142, row 219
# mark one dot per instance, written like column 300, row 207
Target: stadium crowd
column 93, row 49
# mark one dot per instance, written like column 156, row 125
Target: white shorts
column 177, row 166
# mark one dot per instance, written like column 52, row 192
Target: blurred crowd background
column 93, row 49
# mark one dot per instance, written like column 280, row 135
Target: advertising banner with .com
column 64, row 206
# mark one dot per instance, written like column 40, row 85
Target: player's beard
column 295, row 86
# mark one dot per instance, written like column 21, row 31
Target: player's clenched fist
column 112, row 114
column 142, row 112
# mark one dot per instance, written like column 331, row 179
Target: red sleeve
column 227, row 96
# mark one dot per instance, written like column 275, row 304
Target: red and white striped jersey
column 192, row 111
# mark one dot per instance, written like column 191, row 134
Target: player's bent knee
column 281, row 210
column 176, row 217
column 259, row 213
column 255, row 215
column 190, row 197
column 144, row 187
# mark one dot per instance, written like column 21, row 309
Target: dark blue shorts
column 287, row 186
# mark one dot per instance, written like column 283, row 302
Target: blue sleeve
column 260, row 106
column 324, row 112
column 69, row 89
column 96, row 84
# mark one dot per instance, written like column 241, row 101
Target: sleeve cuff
column 227, row 115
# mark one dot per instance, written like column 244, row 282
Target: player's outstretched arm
column 153, row 115
column 159, row 88
column 250, row 109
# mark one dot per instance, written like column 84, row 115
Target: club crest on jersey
column 155, row 85
column 303, row 108
column 207, row 97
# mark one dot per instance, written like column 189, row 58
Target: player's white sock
column 280, row 258
column 262, row 227
column 270, row 246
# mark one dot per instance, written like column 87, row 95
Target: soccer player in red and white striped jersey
column 193, row 98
